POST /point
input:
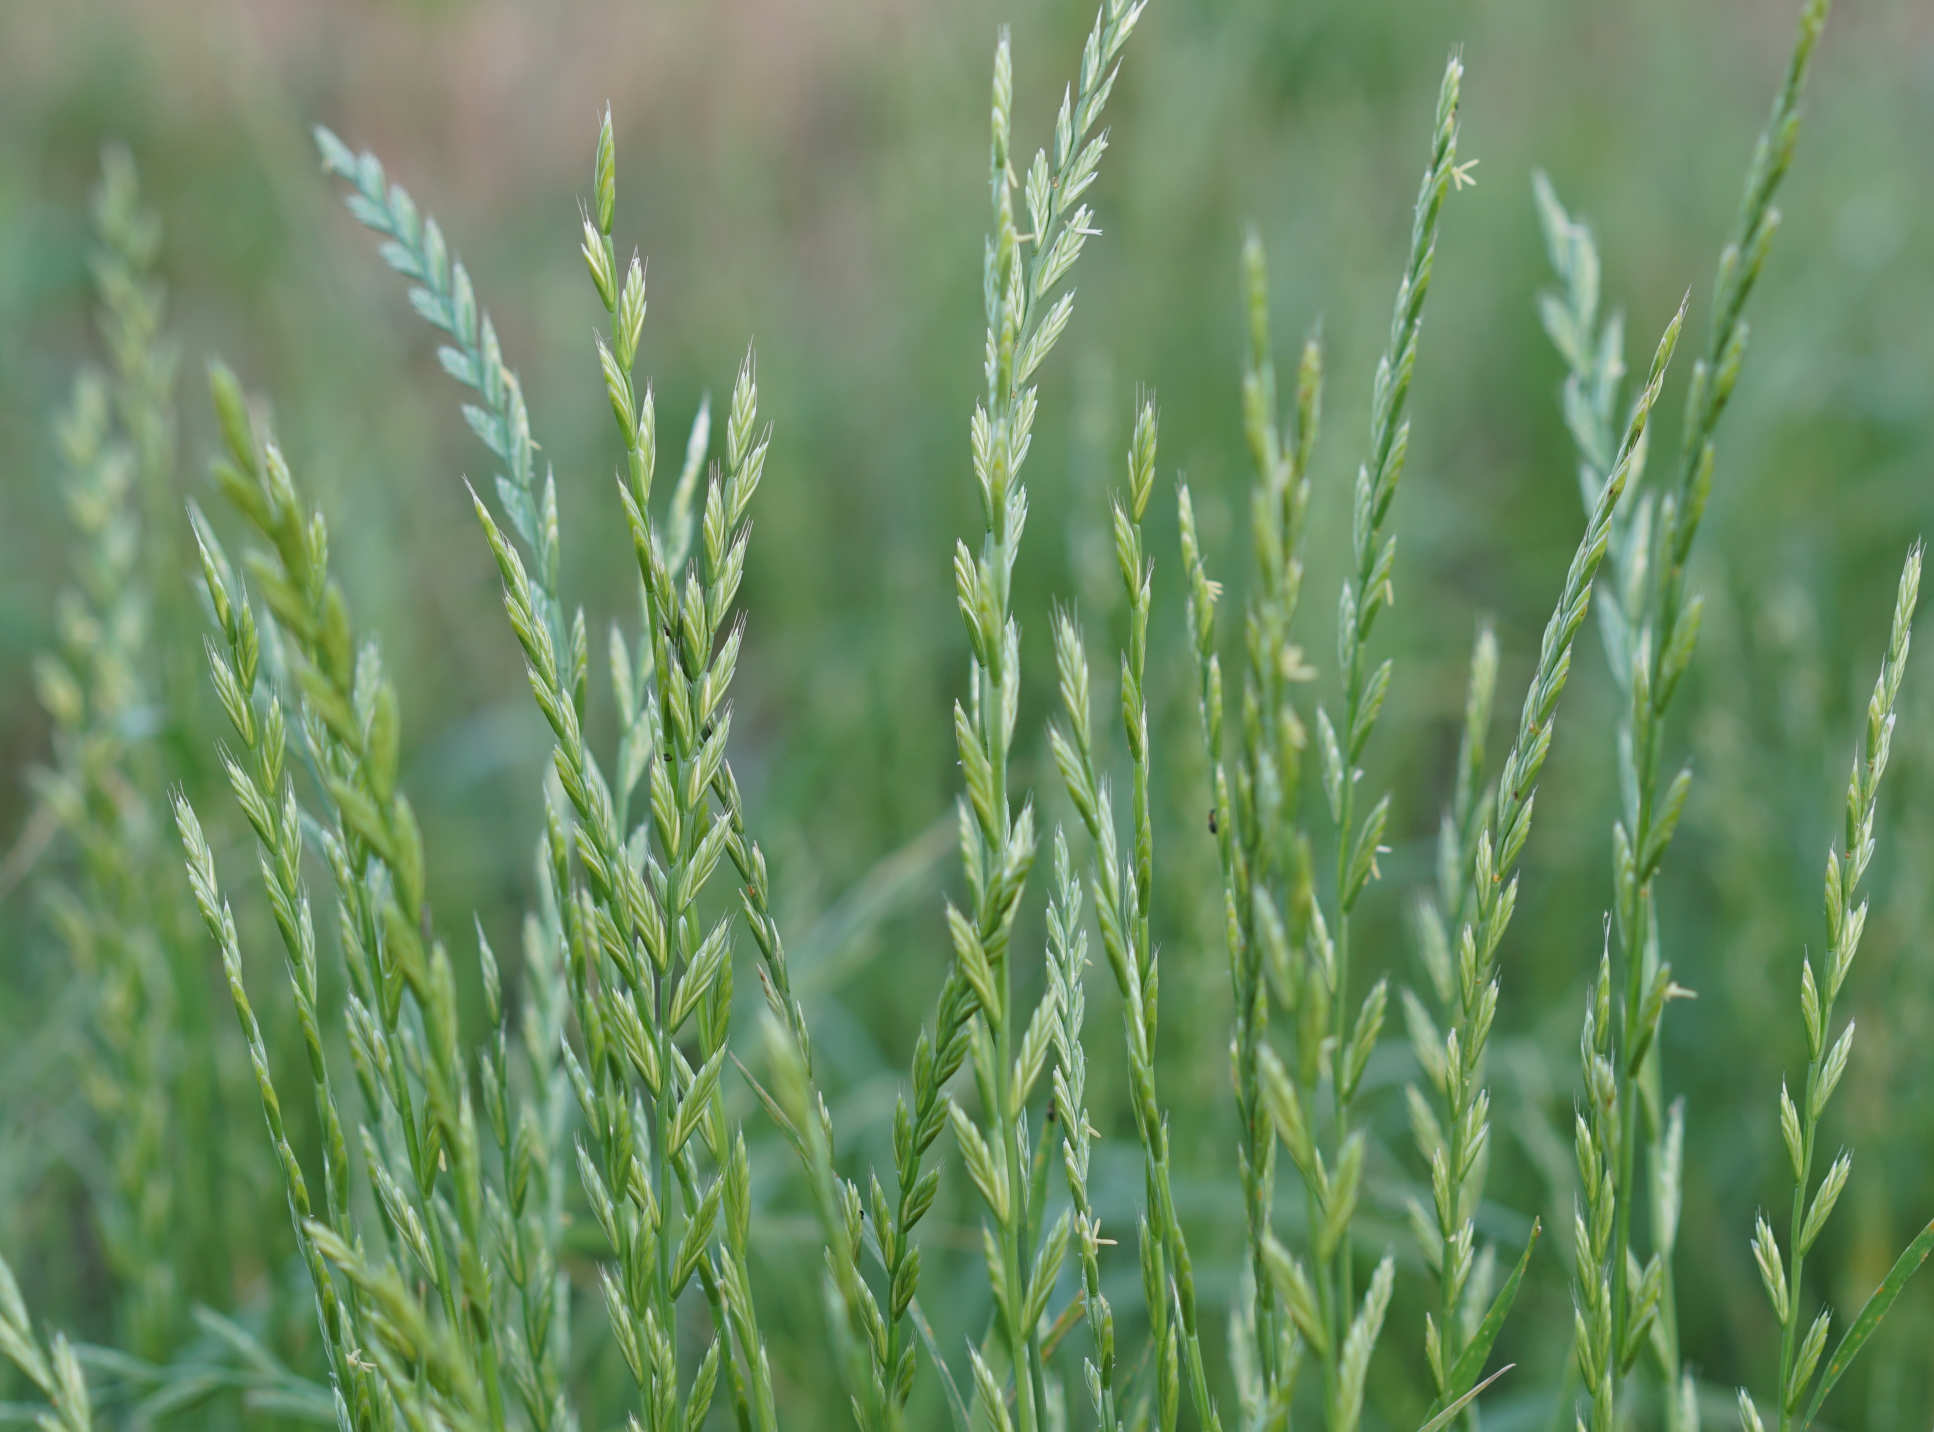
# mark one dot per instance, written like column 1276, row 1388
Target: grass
column 628, row 1178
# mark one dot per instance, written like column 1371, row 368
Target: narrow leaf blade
column 1862, row 1327
column 1444, row 1418
column 1464, row 1372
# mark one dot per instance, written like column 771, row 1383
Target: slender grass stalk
column 1437, row 915
column 52, row 1367
column 616, row 948
column 144, row 363
column 694, row 673
column 1827, row 1054
column 1366, row 591
column 1308, row 1305
column 1260, row 843
column 1594, row 356
column 1025, row 317
column 1671, row 630
column 1253, row 816
column 132, row 320
column 641, row 969
column 662, row 553
column 1123, row 887
column 1649, row 628
column 1456, row 1145
column 1067, row 980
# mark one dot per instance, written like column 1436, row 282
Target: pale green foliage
column 461, row 1192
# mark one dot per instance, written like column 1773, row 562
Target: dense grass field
column 1228, row 778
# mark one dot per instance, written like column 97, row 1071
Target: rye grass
column 463, row 1177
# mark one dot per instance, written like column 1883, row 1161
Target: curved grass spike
column 1025, row 317
column 639, row 972
column 94, row 687
column 619, row 956
column 1593, row 351
column 441, row 291
column 1305, row 1305
column 1821, row 982
column 1258, row 844
column 1457, row 1144
column 403, row 1012
column 1649, row 627
column 1123, row 887
column 662, row 553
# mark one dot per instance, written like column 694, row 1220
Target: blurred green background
column 811, row 177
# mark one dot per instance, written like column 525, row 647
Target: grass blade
column 1856, row 1336
column 1443, row 1419
column 1471, row 1361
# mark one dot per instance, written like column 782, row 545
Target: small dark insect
column 1052, row 1114
column 704, row 734
column 1213, row 828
